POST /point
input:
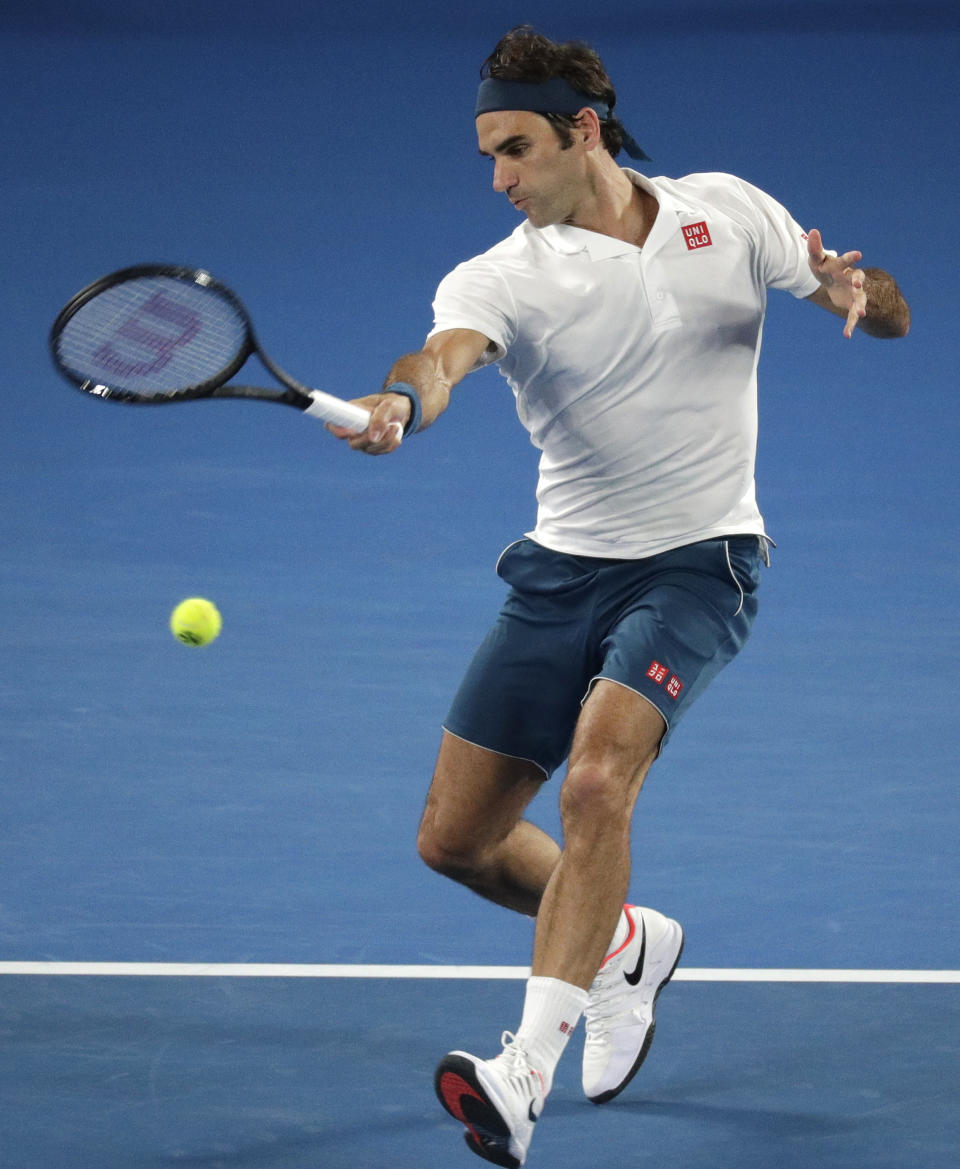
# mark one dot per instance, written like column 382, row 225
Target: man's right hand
column 389, row 414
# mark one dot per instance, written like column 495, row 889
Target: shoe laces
column 516, row 1062
column 514, row 1056
column 594, row 1028
column 604, row 1005
column 598, row 1004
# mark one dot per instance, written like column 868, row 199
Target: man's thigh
column 477, row 796
column 521, row 694
column 689, row 620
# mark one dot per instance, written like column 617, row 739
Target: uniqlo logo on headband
column 696, row 235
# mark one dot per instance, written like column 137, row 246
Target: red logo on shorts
column 696, row 235
column 659, row 674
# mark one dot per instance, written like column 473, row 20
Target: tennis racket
column 157, row 333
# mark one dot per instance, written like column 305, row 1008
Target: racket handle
column 327, row 408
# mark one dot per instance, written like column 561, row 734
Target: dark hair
column 526, row 55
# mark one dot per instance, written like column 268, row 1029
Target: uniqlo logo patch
column 658, row 673
column 674, row 686
column 696, row 236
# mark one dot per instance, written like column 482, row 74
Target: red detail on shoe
column 454, row 1088
column 626, row 941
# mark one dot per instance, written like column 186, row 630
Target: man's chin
column 536, row 219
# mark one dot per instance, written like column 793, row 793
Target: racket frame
column 312, row 402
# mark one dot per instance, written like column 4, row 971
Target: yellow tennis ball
column 195, row 621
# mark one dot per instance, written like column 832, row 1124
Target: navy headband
column 554, row 96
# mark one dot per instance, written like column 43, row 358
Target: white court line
column 299, row 970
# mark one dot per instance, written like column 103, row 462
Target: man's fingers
column 815, row 246
column 383, row 430
column 841, row 277
column 339, row 431
column 856, row 276
column 858, row 309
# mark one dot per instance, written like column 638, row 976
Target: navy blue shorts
column 663, row 626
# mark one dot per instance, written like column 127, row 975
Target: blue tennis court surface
column 257, row 801
column 282, row 1074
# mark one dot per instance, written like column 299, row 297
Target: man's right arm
column 446, row 358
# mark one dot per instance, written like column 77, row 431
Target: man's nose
column 504, row 177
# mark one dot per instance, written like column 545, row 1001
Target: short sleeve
column 476, row 296
column 783, row 243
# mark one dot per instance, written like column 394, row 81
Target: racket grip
column 327, row 408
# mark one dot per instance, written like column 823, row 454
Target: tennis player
column 626, row 315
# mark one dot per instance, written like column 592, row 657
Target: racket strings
column 154, row 335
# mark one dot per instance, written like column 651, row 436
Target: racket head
column 152, row 333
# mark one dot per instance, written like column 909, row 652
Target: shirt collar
column 568, row 241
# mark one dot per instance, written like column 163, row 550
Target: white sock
column 551, row 1011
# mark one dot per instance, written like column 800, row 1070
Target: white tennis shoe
column 499, row 1100
column 619, row 1020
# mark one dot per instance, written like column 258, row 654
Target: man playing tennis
column 626, row 314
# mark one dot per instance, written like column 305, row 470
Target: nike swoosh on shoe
column 634, row 976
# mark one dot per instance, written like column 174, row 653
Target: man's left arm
column 868, row 298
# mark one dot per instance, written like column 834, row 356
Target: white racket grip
column 327, row 408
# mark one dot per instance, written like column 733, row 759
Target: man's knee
column 617, row 740
column 476, row 799
column 452, row 855
column 591, row 793
column 599, row 794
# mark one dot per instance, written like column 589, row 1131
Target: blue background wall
column 257, row 800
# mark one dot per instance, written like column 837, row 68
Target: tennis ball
column 195, row 621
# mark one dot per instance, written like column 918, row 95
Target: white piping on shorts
column 726, row 549
column 491, row 751
column 503, row 553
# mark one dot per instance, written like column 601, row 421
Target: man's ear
column 588, row 124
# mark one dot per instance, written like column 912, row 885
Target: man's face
column 530, row 166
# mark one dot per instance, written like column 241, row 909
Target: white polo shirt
column 635, row 370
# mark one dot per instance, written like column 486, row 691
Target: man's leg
column 500, row 1100
column 616, row 741
column 472, row 828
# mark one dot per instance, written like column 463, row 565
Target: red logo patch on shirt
column 696, row 235
column 674, row 686
column 658, row 673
